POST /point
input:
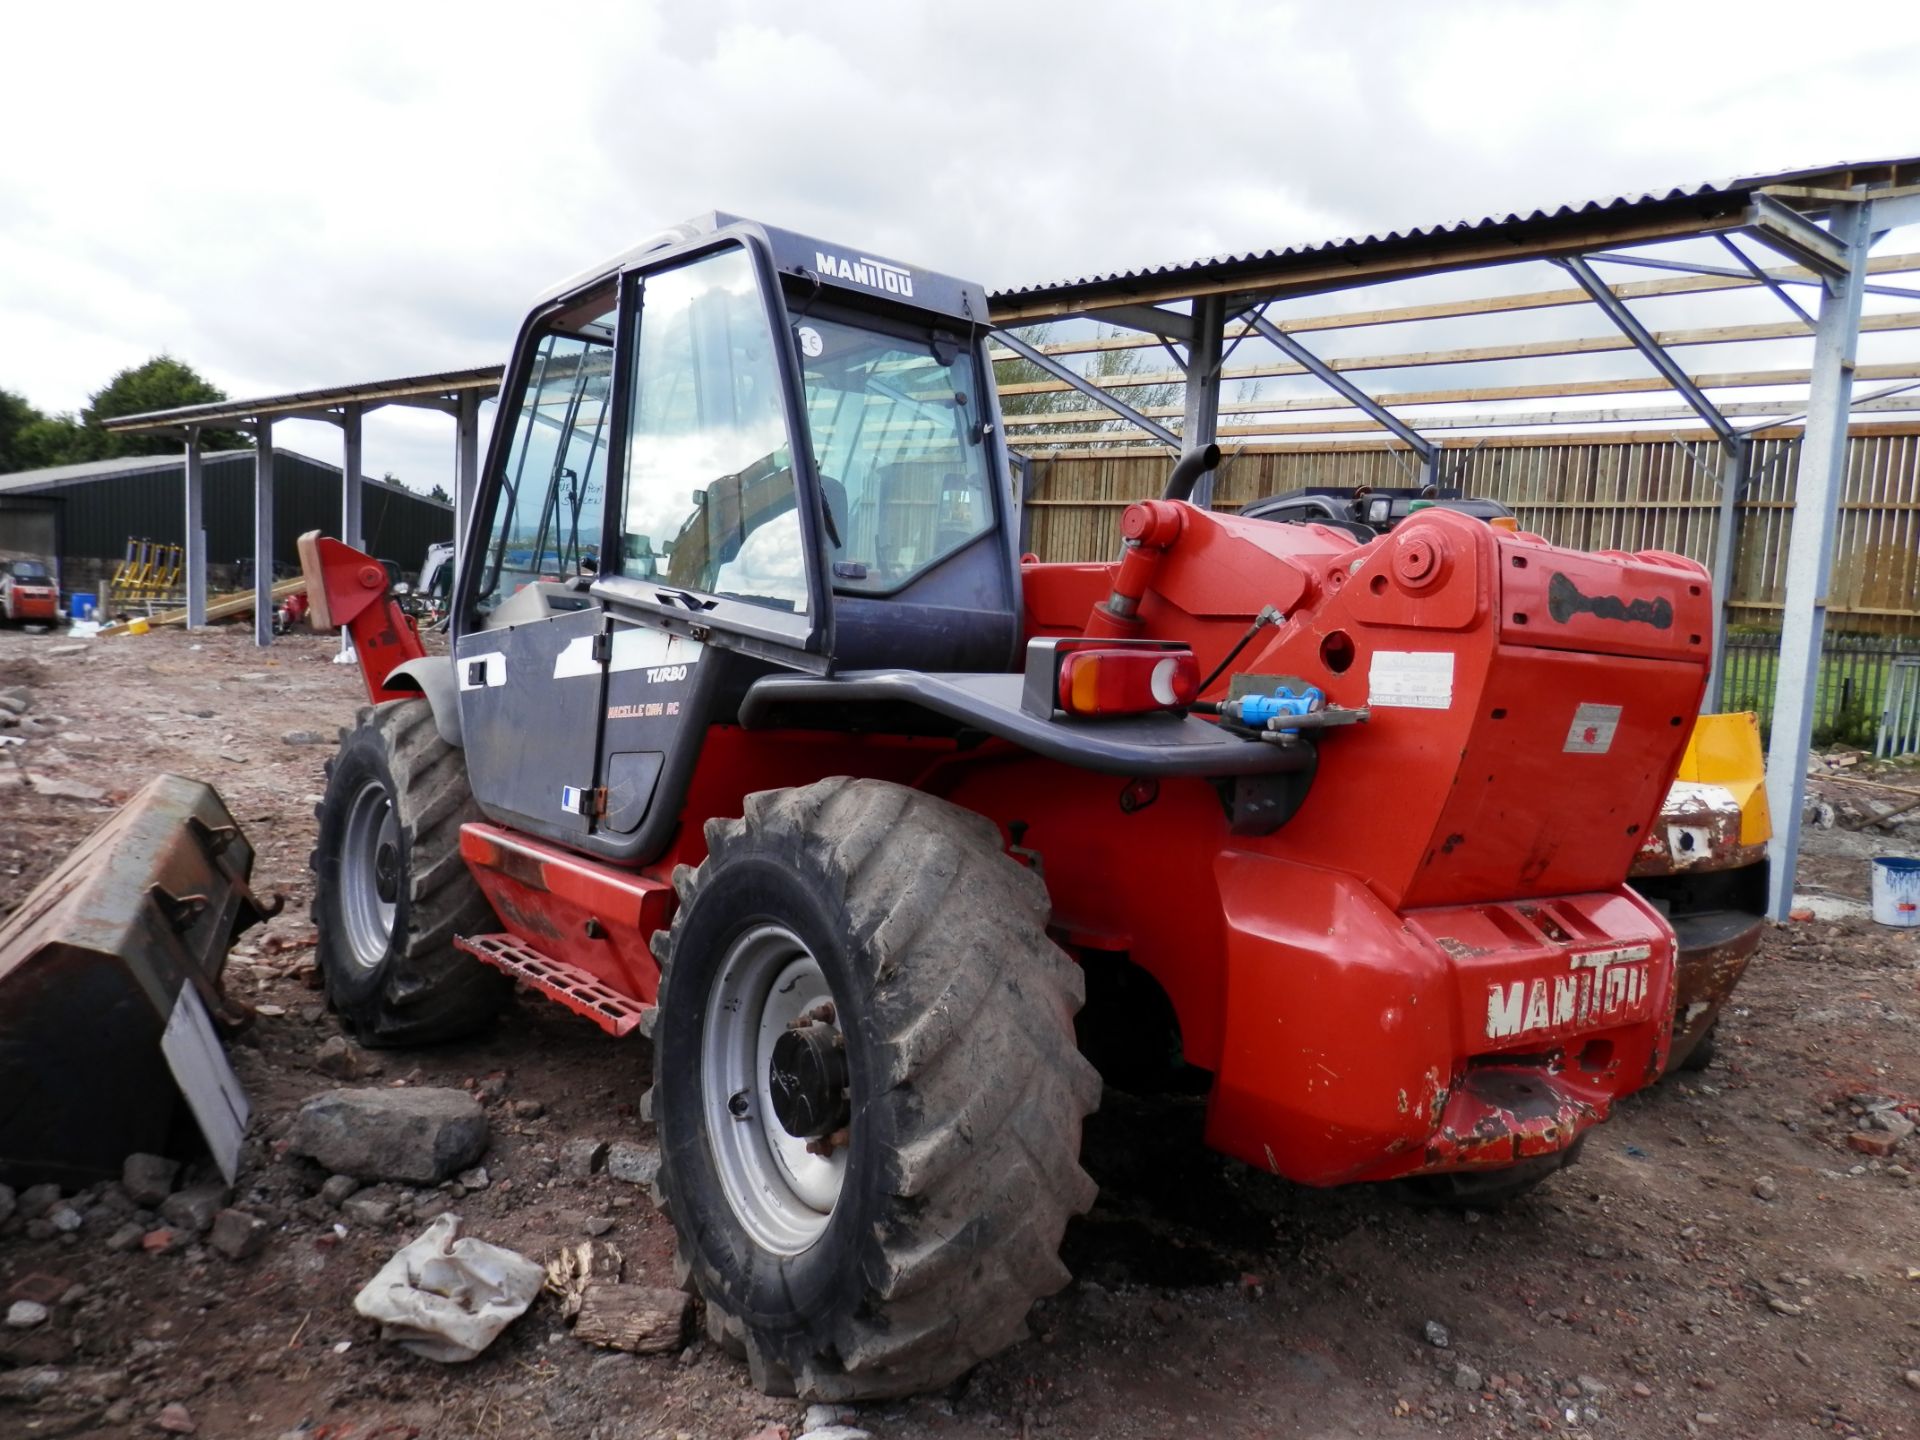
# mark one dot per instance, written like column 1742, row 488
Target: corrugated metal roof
column 1709, row 199
column 51, row 476
column 55, row 477
column 387, row 392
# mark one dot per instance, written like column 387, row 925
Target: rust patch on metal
column 1698, row 829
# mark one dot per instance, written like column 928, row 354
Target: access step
column 577, row 989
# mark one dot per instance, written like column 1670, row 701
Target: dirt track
column 1647, row 1292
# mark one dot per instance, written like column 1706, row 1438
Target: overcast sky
column 294, row 196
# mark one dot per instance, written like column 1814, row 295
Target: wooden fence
column 1638, row 492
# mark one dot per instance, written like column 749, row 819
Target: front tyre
column 390, row 889
column 867, row 1092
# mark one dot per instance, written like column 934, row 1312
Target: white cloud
column 290, row 198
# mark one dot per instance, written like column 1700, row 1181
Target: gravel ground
column 1722, row 1262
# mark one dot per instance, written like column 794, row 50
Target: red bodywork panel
column 1435, row 963
column 347, row 590
column 590, row 916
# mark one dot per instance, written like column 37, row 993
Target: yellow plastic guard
column 1724, row 750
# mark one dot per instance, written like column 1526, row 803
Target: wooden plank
column 640, row 1319
column 1550, row 390
column 224, row 609
column 1125, row 445
column 1652, row 491
column 1481, row 305
column 1478, row 354
column 1626, row 415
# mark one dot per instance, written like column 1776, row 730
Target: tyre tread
column 429, row 991
column 988, row 1170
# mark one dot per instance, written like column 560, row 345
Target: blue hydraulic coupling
column 1262, row 712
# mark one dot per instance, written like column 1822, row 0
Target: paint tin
column 1896, row 890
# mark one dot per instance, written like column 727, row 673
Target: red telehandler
column 759, row 737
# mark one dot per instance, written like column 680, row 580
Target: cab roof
column 859, row 273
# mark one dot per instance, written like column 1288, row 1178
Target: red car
column 28, row 593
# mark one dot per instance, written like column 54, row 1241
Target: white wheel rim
column 369, row 874
column 781, row 1192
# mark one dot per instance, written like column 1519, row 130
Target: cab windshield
column 897, row 436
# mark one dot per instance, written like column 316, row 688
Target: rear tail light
column 1127, row 681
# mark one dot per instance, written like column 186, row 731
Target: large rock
column 238, row 1235
column 420, row 1136
column 149, row 1179
column 632, row 1162
column 193, row 1209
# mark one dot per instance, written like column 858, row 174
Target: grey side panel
column 663, row 694
column 531, row 698
column 432, row 676
column 1162, row 744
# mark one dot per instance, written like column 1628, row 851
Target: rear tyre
column 1701, row 1056
column 1490, row 1189
column 390, row 889
column 867, row 1092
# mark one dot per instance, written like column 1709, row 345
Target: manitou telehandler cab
column 758, row 736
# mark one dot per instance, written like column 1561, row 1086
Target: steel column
column 466, row 472
column 194, row 548
column 1734, row 460
column 1201, row 414
column 1087, row 387
column 1823, row 454
column 263, row 533
column 351, row 466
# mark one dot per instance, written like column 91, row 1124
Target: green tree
column 163, row 383
column 439, row 492
column 16, row 417
column 30, row 439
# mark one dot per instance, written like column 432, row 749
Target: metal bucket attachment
column 92, row 967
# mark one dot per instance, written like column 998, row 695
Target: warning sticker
column 1411, row 679
column 1592, row 730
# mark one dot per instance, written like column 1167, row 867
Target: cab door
column 719, row 564
column 530, row 657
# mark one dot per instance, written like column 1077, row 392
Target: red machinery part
column 347, row 590
column 1433, row 965
column 591, row 918
column 1339, row 976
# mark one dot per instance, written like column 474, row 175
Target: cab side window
column 551, row 498
column 710, row 497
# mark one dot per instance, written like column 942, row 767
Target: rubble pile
column 1850, row 790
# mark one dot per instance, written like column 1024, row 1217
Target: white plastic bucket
column 1896, row 890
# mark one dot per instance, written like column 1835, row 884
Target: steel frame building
column 1824, row 222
